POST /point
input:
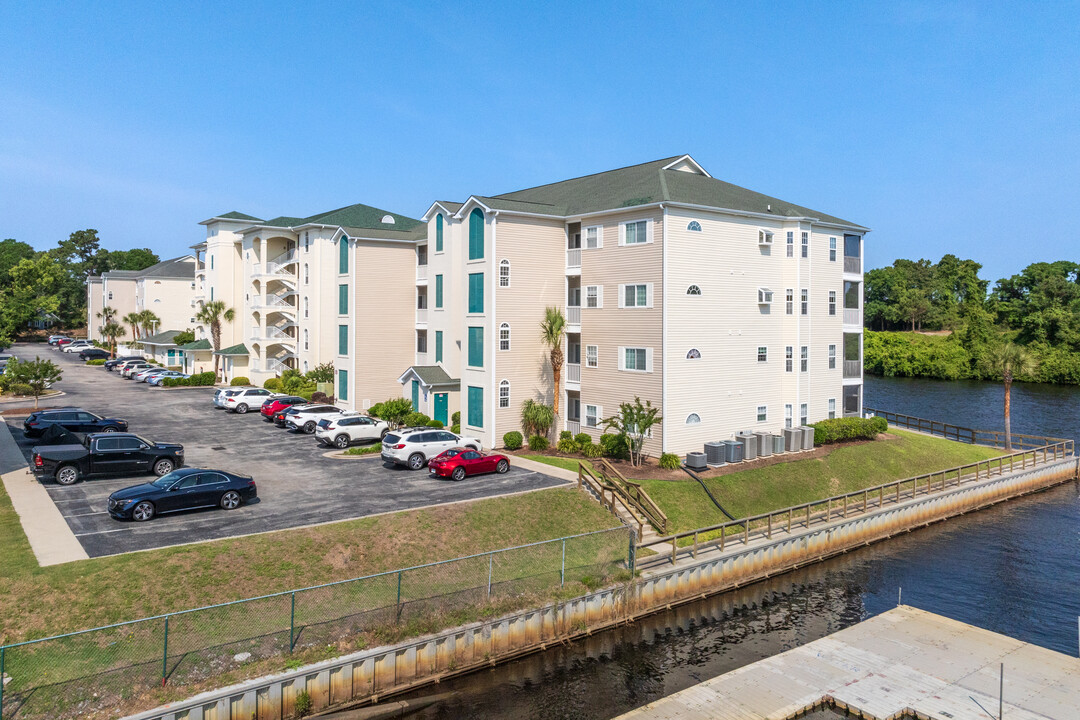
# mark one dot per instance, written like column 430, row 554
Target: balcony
column 852, row 265
column 421, row 273
column 573, row 376
column 573, row 315
column 421, row 316
column 852, row 369
column 573, row 260
column 574, row 426
column 852, row 316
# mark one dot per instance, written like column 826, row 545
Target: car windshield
column 144, row 441
column 166, row 481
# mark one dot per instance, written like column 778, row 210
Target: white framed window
column 764, row 237
column 804, row 301
column 693, row 290
column 764, row 296
column 694, row 226
column 594, row 237
column 762, row 413
column 307, row 274
column 635, row 359
column 307, row 243
column 592, row 356
column 806, row 244
column 594, row 296
column 832, row 249
column 504, row 273
column 790, row 244
column 635, row 296
column 804, row 358
column 593, row 415
column 787, row 416
column 802, row 414
column 832, row 357
column 832, row 302
column 635, row 232
column 305, row 366
column 305, row 307
column 305, row 339
column 832, row 408
column 693, row 354
column 693, row 419
column 504, row 336
column 762, row 353
column 789, row 358
column 789, row 301
column 504, row 394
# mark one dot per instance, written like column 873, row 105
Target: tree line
column 51, row 284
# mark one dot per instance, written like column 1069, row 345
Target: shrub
column 567, row 445
column 200, row 379
column 365, row 449
column 436, row 424
column 323, row 372
column 319, row 397
column 669, row 461
column 538, row 442
column 837, row 430
column 592, row 450
column 455, row 428
column 416, row 419
column 20, row 389
column 583, row 439
column 306, row 393
column 302, row 704
column 512, row 440
column 96, row 361
column 614, row 445
column 240, row 381
column 273, row 384
column 566, row 435
column 455, row 419
column 536, row 418
column 375, row 410
column 394, row 410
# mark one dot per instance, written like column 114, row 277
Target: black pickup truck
column 110, row 453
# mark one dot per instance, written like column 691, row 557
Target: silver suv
column 414, row 446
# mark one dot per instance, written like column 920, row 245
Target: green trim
column 476, row 293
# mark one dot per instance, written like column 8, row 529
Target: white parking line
column 101, row 512
column 102, row 532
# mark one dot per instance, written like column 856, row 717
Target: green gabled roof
column 431, row 375
column 234, row 215
column 359, row 221
column 203, row 344
column 162, row 338
column 284, row 221
column 240, row 349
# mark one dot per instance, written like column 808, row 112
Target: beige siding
column 93, row 307
column 169, row 299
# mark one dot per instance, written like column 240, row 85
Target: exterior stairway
column 622, row 497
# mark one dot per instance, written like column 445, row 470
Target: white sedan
column 77, row 346
column 344, row 429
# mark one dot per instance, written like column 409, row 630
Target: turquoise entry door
column 416, row 395
column 441, row 403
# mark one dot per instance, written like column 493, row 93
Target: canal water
column 1013, row 569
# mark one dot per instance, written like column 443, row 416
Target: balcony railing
column 852, row 316
column 852, row 264
column 573, row 258
column 279, row 265
column 574, row 426
column 573, row 315
column 573, row 373
column 421, row 315
column 853, row 368
column 421, row 272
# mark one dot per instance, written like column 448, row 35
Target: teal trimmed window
column 343, row 299
column 438, row 291
column 476, row 407
column 476, row 234
column 342, row 384
column 476, row 347
column 438, row 232
column 343, row 255
column 343, row 339
column 438, row 346
column 476, row 292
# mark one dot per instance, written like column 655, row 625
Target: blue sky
column 945, row 127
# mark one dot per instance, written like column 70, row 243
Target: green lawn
column 566, row 463
column 845, row 469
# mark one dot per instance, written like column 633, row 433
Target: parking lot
column 297, row 485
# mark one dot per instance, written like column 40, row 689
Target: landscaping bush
column 20, row 389
column 583, row 439
column 96, row 361
column 200, row 379
column 306, row 393
column 375, row 410
column 837, row 430
column 512, row 440
column 273, row 384
column 319, row 397
column 455, row 419
column 592, row 450
column 416, row 419
column 614, row 445
column 670, row 461
column 240, row 381
column 436, row 424
column 568, row 446
column 538, row 442
column 566, row 435
column 455, row 428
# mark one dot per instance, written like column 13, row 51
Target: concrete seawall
column 377, row 673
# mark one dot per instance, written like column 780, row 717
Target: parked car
column 5, row 357
column 110, row 365
column 131, row 368
column 281, row 416
column 64, row 341
column 77, row 346
column 282, row 402
column 414, row 446
column 94, row 353
column 347, row 428
column 464, row 462
column 240, row 400
column 105, row 454
column 159, row 378
column 184, row 489
column 128, row 363
column 307, row 417
column 54, row 339
column 143, row 375
column 70, row 418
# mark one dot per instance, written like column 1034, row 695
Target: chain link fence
column 71, row 675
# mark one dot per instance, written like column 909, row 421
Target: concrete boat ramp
column 904, row 663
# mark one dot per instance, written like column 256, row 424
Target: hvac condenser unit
column 764, row 444
column 733, row 451
column 749, row 443
column 715, row 453
column 777, row 444
column 808, row 437
column 793, row 439
column 696, row 461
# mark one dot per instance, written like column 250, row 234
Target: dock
column 903, row 663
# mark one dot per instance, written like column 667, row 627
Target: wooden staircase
column 626, row 499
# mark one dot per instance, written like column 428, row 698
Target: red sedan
column 277, row 404
column 460, row 462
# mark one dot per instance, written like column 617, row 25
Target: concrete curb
column 340, row 455
column 544, row 468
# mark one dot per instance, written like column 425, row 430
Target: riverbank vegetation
column 941, row 320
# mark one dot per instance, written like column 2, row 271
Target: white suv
column 414, row 446
column 240, row 400
column 345, row 429
column 307, row 417
column 76, row 346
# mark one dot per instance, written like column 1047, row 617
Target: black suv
column 71, row 418
column 110, row 365
column 94, row 353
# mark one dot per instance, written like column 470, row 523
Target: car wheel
column 458, row 474
column 230, row 500
column 164, row 466
column 242, row 408
column 502, row 467
column 342, row 441
column 309, row 427
column 143, row 511
column 382, row 435
column 473, row 447
column 108, row 429
column 416, row 461
column 67, row 475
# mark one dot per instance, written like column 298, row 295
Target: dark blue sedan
column 184, row 489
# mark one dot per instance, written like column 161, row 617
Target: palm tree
column 112, row 330
column 105, row 316
column 552, row 328
column 132, row 319
column 148, row 321
column 211, row 314
column 1007, row 361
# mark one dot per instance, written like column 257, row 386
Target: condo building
column 165, row 288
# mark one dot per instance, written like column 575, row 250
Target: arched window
column 693, row 290
column 504, row 273
column 693, row 419
column 693, row 354
column 387, row 219
column 694, row 226
column 438, row 232
column 305, row 339
column 305, row 306
column 504, row 336
column 504, row 394
column 476, row 234
column 307, row 274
